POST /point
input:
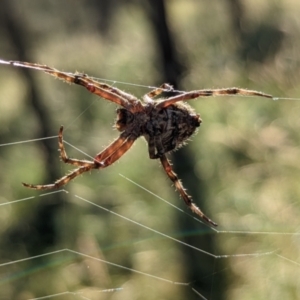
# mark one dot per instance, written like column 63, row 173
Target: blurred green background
column 242, row 168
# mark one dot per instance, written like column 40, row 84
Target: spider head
column 124, row 118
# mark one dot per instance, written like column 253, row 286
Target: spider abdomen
column 169, row 128
column 182, row 123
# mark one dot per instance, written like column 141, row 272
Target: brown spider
column 166, row 124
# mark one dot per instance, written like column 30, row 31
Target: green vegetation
column 246, row 155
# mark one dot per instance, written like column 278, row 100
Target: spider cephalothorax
column 165, row 123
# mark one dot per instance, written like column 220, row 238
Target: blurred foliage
column 246, row 153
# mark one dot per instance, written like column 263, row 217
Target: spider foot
column 197, row 211
column 40, row 187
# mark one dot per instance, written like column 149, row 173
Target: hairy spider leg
column 103, row 90
column 185, row 196
column 155, row 141
column 210, row 93
column 117, row 149
column 64, row 157
column 165, row 87
column 151, row 148
column 108, row 156
column 104, row 158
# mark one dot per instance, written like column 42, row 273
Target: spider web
column 87, row 264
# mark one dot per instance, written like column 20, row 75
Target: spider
column 166, row 124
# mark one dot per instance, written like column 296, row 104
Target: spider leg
column 63, row 180
column 64, row 157
column 151, row 148
column 84, row 166
column 115, row 150
column 210, row 92
column 165, row 87
column 113, row 147
column 155, row 147
column 104, row 159
column 103, row 90
column 187, row 198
